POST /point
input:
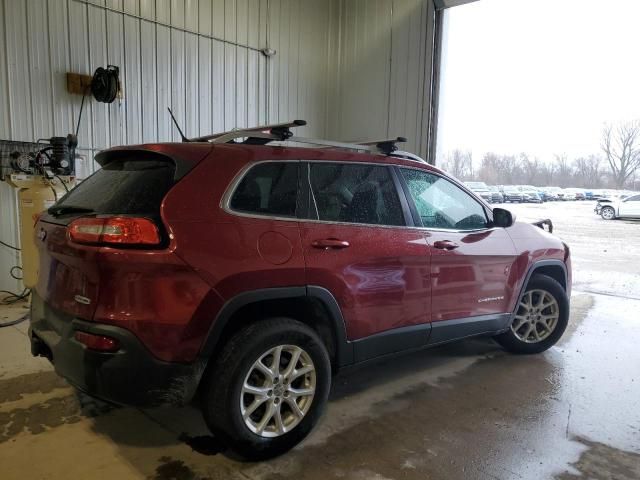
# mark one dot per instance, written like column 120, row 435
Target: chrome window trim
column 225, row 202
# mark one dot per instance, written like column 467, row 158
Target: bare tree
column 563, row 172
column 531, row 168
column 491, row 169
column 587, row 171
column 459, row 164
column 621, row 149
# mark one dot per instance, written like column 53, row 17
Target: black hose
column 13, row 275
column 15, row 322
column 9, row 246
column 63, row 184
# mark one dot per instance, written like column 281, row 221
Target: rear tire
column 541, row 317
column 260, row 409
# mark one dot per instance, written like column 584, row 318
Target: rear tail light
column 114, row 230
column 101, row 343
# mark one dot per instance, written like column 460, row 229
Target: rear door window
column 353, row 193
column 269, row 189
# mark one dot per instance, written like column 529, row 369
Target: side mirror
column 503, row 218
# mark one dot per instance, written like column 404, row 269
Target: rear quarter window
column 268, row 189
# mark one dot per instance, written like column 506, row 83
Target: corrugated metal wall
column 199, row 57
column 383, row 86
column 354, row 69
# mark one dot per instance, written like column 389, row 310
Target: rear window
column 124, row 187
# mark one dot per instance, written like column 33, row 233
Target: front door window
column 442, row 204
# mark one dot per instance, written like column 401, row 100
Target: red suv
column 248, row 273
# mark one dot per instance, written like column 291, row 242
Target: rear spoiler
column 183, row 158
column 542, row 223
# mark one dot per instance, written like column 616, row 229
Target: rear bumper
column 130, row 376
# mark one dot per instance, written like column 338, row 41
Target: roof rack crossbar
column 281, row 130
column 331, row 143
column 387, row 145
column 279, row 137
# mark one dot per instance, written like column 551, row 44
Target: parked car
column 562, row 195
column 496, row 195
column 512, row 194
column 248, row 274
column 550, row 195
column 531, row 196
column 528, row 189
column 628, row 207
column 481, row 189
column 574, row 194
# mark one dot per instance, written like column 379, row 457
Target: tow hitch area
column 39, row 348
column 545, row 224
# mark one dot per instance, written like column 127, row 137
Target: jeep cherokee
column 249, row 273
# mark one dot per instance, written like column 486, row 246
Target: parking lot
column 467, row 410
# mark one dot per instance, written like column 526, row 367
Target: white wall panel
column 97, row 19
column 79, row 62
column 148, row 72
column 58, row 30
column 178, row 63
column 192, row 105
column 217, row 86
column 5, row 128
column 132, row 79
column 18, row 70
column 204, row 87
column 381, row 82
column 40, row 81
column 115, row 56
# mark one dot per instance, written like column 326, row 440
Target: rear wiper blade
column 62, row 209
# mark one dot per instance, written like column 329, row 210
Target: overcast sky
column 539, row 76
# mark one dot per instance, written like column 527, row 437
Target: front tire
column 608, row 213
column 541, row 317
column 268, row 388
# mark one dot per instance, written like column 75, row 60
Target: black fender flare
column 532, row 269
column 344, row 348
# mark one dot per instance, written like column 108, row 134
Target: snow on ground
column 605, row 253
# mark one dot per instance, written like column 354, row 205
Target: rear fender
column 344, row 349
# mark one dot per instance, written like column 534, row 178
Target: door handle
column 330, row 243
column 445, row 245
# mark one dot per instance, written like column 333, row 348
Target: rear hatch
column 131, row 184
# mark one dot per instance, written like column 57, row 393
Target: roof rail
column 408, row 156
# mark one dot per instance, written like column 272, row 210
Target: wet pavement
column 463, row 411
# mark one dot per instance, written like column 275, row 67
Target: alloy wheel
column 608, row 213
column 278, row 391
column 537, row 316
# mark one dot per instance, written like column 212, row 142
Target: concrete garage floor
column 461, row 411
